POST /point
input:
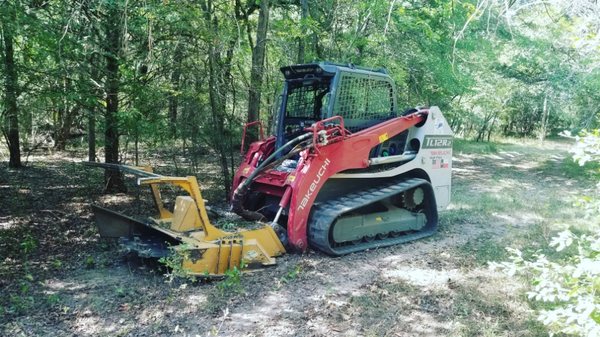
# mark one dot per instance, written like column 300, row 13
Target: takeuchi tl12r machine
column 344, row 170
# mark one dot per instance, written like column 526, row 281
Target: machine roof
column 326, row 69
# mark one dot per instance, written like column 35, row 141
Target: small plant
column 23, row 300
column 90, row 262
column 53, row 299
column 228, row 226
column 174, row 263
column 228, row 288
column 232, row 281
column 292, row 274
column 29, row 244
column 120, row 291
column 57, row 264
column 20, row 304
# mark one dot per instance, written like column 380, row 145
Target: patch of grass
column 21, row 300
column 483, row 313
column 20, row 304
column 474, row 206
column 481, row 250
column 381, row 307
column 470, row 146
column 471, row 302
column 536, row 240
column 571, row 169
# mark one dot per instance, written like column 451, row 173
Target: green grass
column 480, row 250
column 572, row 170
column 475, row 310
column 517, row 195
column 380, row 309
column 526, row 204
column 487, row 313
column 468, row 146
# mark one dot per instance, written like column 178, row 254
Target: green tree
column 10, row 115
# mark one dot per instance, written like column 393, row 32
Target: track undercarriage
column 400, row 211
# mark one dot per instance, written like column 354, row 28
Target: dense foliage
column 151, row 72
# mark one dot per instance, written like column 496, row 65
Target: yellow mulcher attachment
column 205, row 250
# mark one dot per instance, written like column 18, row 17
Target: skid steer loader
column 343, row 171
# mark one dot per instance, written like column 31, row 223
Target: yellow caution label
column 245, row 171
column 291, row 178
column 383, row 137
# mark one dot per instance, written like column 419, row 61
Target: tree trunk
column 217, row 104
column 63, row 134
column 92, row 134
column 480, row 134
column 491, row 129
column 301, row 40
column 256, row 75
column 173, row 97
column 544, row 119
column 113, row 179
column 95, row 75
column 11, row 126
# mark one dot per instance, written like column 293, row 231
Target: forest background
column 171, row 84
column 121, row 75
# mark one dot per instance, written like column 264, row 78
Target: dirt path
column 438, row 286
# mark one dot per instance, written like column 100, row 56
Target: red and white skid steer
column 343, row 171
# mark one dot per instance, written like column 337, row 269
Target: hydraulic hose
column 239, row 195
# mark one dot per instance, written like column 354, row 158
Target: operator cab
column 363, row 97
column 305, row 100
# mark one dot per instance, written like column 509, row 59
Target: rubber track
column 325, row 214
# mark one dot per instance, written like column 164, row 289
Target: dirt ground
column 58, row 278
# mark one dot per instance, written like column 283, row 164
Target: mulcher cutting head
column 186, row 230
